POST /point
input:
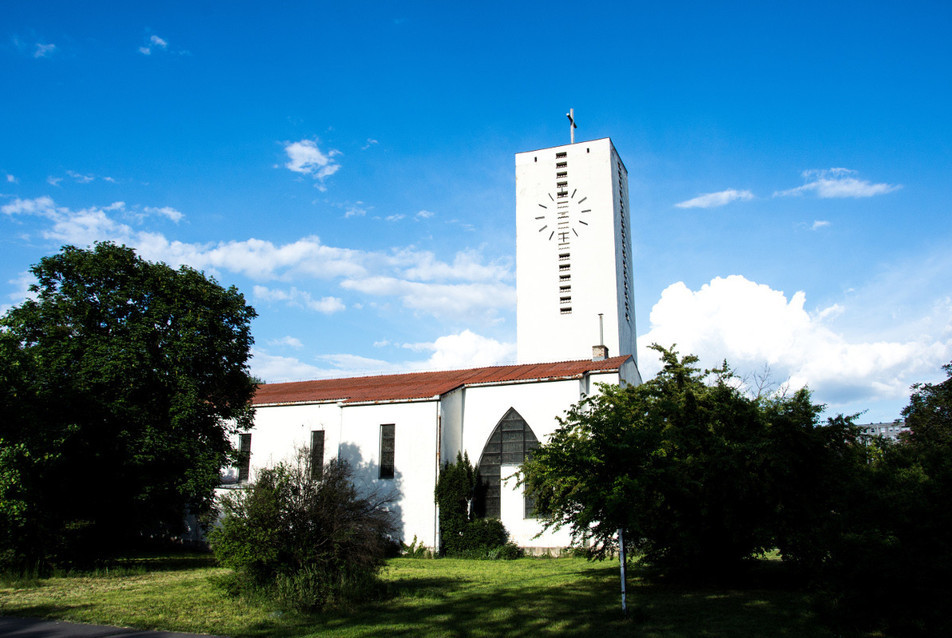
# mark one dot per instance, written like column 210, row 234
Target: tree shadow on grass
column 586, row 603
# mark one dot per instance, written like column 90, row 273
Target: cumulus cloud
column 424, row 214
column 306, row 158
column 301, row 299
column 464, row 350
column 713, row 200
column 837, row 183
column 11, row 179
column 751, row 324
column 466, row 287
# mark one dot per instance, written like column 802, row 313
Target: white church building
column 575, row 329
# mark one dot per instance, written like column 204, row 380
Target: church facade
column 574, row 309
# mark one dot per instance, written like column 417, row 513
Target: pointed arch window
column 511, row 443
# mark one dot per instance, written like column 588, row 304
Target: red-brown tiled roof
column 422, row 385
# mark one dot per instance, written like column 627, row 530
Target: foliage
column 304, row 542
column 460, row 534
column 890, row 565
column 454, row 493
column 119, row 385
column 415, row 549
column 699, row 475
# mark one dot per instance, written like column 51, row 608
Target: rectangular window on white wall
column 317, row 454
column 244, row 457
column 387, row 441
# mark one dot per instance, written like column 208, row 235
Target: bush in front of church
column 462, row 536
column 304, row 541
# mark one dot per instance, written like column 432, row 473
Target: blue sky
column 349, row 166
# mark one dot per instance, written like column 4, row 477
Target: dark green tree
column 454, row 493
column 120, row 384
column 699, row 475
column 889, row 567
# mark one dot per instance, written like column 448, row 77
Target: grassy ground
column 448, row 597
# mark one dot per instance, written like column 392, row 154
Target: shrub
column 304, row 542
column 454, row 493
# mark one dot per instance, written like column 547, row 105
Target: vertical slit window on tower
column 387, row 448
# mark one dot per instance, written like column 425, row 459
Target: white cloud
column 165, row 211
column 155, row 43
column 750, row 325
column 41, row 206
column 370, row 142
column 80, row 178
column 836, row 183
column 11, row 179
column 467, row 287
column 462, row 300
column 53, row 181
column 467, row 265
column 22, row 292
column 465, row 350
column 355, row 210
column 44, row 50
column 713, row 200
column 818, row 224
column 424, row 214
column 306, row 158
column 278, row 369
column 450, row 352
column 395, row 218
column 288, row 341
column 301, row 299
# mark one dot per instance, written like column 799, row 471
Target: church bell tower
column 573, row 253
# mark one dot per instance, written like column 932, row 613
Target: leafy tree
column 304, row 542
column 119, row 386
column 698, row 475
column 890, row 565
column 454, row 493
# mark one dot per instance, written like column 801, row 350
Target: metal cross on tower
column 572, row 124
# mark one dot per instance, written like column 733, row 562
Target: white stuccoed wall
column 461, row 420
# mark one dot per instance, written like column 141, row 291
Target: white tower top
column 573, row 252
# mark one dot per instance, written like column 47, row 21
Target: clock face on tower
column 563, row 218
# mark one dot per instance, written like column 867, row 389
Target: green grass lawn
column 447, row 597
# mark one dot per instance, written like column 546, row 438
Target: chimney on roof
column 600, row 352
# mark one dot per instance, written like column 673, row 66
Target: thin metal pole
column 621, row 560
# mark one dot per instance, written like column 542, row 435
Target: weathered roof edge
column 416, row 386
